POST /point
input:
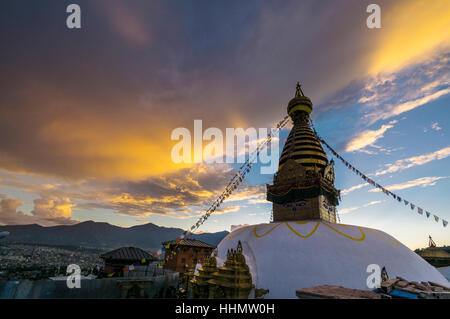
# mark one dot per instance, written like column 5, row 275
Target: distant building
column 117, row 259
column 436, row 256
column 186, row 254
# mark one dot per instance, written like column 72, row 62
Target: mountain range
column 99, row 235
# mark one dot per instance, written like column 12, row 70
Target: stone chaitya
column 232, row 280
column 303, row 187
column 200, row 285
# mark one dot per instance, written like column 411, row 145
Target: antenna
column 431, row 242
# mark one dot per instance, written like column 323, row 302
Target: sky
column 86, row 114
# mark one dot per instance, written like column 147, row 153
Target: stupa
column 304, row 246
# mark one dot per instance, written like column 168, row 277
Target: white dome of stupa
column 286, row 256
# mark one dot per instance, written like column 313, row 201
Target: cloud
column 415, row 161
column 108, row 112
column 435, row 126
column 377, row 97
column 353, row 188
column 422, row 182
column 8, row 211
column 396, row 110
column 226, row 210
column 52, row 208
column 368, row 138
column 174, row 194
column 128, row 23
column 184, row 194
column 91, row 121
column 252, row 194
column 46, row 212
column 351, row 209
column 411, row 32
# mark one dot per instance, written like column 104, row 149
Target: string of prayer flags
column 373, row 183
column 238, row 177
column 229, row 188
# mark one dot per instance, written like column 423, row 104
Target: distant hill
column 101, row 235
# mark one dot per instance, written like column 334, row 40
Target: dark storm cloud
column 99, row 104
column 155, row 195
column 138, row 71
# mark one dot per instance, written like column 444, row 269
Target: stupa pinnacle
column 304, row 246
column 303, row 187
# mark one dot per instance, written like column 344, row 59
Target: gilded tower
column 232, row 280
column 303, row 187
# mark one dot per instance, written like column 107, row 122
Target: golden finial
column 298, row 91
column 239, row 247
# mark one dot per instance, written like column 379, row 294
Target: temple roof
column 126, row 254
column 434, row 252
column 192, row 243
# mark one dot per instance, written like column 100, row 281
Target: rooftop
column 126, row 253
column 192, row 243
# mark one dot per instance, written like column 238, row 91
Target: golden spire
column 302, row 144
column 298, row 91
column 299, row 103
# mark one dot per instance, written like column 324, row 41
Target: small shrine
column 231, row 281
